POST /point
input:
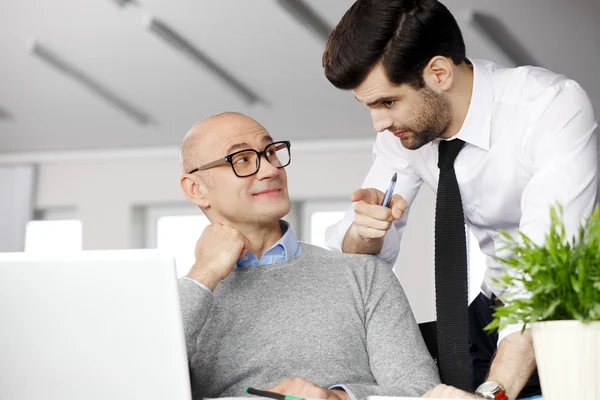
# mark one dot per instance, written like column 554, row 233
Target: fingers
column 216, row 252
column 370, row 196
column 373, row 211
column 430, row 393
column 243, row 240
column 234, row 236
column 366, row 233
column 279, row 388
column 437, row 391
column 373, row 223
column 289, row 386
column 368, row 201
column 448, row 392
column 398, row 206
column 300, row 387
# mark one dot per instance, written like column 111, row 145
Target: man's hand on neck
column 217, row 251
column 221, row 245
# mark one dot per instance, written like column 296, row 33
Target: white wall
column 105, row 188
column 561, row 35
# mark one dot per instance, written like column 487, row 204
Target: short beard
column 432, row 118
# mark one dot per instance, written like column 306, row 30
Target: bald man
column 262, row 310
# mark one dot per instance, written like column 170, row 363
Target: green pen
column 271, row 395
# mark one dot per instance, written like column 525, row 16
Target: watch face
column 489, row 387
column 491, row 390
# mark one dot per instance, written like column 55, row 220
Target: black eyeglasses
column 247, row 162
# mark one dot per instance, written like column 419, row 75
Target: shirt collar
column 477, row 125
column 288, row 242
column 286, row 247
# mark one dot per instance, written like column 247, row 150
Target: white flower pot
column 568, row 359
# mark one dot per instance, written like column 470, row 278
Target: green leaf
column 576, row 285
column 550, row 310
column 492, row 326
column 559, row 276
column 595, row 312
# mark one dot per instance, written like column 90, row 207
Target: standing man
column 500, row 146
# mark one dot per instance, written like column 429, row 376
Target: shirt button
column 473, row 208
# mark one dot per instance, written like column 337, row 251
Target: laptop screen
column 91, row 325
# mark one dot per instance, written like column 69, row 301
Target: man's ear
column 439, row 74
column 194, row 190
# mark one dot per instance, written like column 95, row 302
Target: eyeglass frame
column 228, row 159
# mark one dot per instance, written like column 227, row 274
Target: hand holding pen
column 271, row 395
column 375, row 211
column 300, row 389
column 373, row 197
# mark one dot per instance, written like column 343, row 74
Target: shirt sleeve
column 388, row 158
column 204, row 287
column 398, row 356
column 345, row 389
column 563, row 152
column 195, row 309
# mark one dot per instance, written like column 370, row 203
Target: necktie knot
column 448, row 151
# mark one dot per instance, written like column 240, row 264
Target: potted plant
column 559, row 298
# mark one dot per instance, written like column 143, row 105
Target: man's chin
column 273, row 210
column 410, row 144
column 270, row 218
column 280, row 211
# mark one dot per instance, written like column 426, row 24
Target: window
column 319, row 222
column 175, row 230
column 178, row 235
column 53, row 231
column 317, row 217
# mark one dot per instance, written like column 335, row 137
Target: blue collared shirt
column 284, row 249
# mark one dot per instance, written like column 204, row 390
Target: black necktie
column 451, row 287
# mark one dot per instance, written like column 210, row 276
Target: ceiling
column 259, row 43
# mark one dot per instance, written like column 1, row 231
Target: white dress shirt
column 530, row 141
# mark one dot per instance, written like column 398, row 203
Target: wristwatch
column 491, row 390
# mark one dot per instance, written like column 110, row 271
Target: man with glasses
column 259, row 308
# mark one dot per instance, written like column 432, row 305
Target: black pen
column 271, row 395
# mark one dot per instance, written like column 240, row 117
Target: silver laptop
column 91, row 325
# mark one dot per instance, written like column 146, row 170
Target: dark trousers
column 482, row 345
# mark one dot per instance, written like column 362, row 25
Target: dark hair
column 403, row 34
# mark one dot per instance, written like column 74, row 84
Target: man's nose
column 382, row 120
column 266, row 169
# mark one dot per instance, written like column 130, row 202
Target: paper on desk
column 397, row 398
column 249, row 398
column 310, row 398
column 361, row 398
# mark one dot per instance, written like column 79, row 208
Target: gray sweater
column 330, row 318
